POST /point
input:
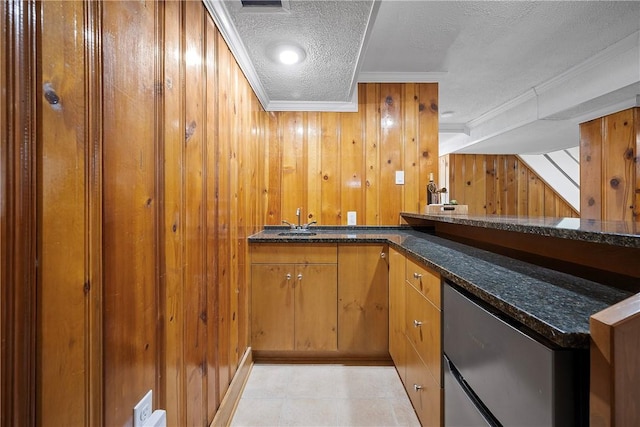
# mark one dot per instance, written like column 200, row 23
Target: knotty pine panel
column 591, row 169
column 153, row 169
column 130, row 198
column 610, row 171
column 211, row 58
column 501, row 185
column 195, row 154
column 225, row 108
column 427, row 104
column 391, row 152
column 617, row 166
column 173, row 289
column 64, row 301
column 331, row 163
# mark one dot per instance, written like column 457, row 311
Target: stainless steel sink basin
column 302, row 233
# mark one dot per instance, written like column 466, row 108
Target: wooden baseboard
column 275, row 356
column 234, row 392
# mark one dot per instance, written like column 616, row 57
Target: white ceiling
column 519, row 76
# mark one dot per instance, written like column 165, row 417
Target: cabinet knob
column 417, row 276
column 288, row 276
column 417, row 323
column 417, row 387
column 383, row 255
column 299, row 276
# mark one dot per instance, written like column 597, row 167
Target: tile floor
column 324, row 395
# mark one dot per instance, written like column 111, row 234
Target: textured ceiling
column 332, row 34
column 504, row 68
column 492, row 51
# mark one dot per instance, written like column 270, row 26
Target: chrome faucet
column 300, row 226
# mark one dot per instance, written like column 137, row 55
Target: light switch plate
column 351, row 218
column 399, row 177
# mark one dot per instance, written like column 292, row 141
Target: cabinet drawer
column 423, row 390
column 423, row 329
column 278, row 253
column 424, row 280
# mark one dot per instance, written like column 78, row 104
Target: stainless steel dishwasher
column 497, row 373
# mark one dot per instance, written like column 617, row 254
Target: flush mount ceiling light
column 287, row 53
column 446, row 114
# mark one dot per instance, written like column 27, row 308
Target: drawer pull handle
column 417, row 387
column 288, row 276
column 383, row 255
column 417, row 323
column 299, row 276
column 417, row 276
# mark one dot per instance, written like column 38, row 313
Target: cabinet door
column 397, row 340
column 272, row 306
column 363, row 299
column 423, row 390
column 423, row 328
column 315, row 307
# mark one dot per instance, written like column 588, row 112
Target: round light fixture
column 287, row 53
column 446, row 114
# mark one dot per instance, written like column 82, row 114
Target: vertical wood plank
column 428, row 136
column 314, row 167
column 195, row 227
column 330, row 139
column 130, row 311
column 224, row 203
column 174, row 125
column 591, row 169
column 293, row 174
column 510, row 195
column 63, row 299
column 444, row 177
column 21, row 95
column 211, row 131
column 492, row 187
column 391, row 152
column 536, row 197
column 636, row 184
column 618, row 166
column 372, row 155
column 351, row 165
column 236, row 219
column 274, row 176
column 410, row 101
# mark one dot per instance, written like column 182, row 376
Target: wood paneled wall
column 135, row 161
column 332, row 163
column 131, row 159
column 610, row 167
column 500, row 185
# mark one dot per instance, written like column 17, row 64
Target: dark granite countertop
column 617, row 233
column 554, row 304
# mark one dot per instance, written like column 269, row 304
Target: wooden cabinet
column 415, row 331
column 423, row 390
column 397, row 339
column 426, row 281
column 363, row 308
column 293, row 299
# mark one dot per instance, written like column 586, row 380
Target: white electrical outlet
column 399, row 177
column 143, row 410
column 351, row 218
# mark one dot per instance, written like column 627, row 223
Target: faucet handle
column 311, row 223
column 288, row 223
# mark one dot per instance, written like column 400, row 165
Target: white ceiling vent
column 259, row 6
column 261, row 3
